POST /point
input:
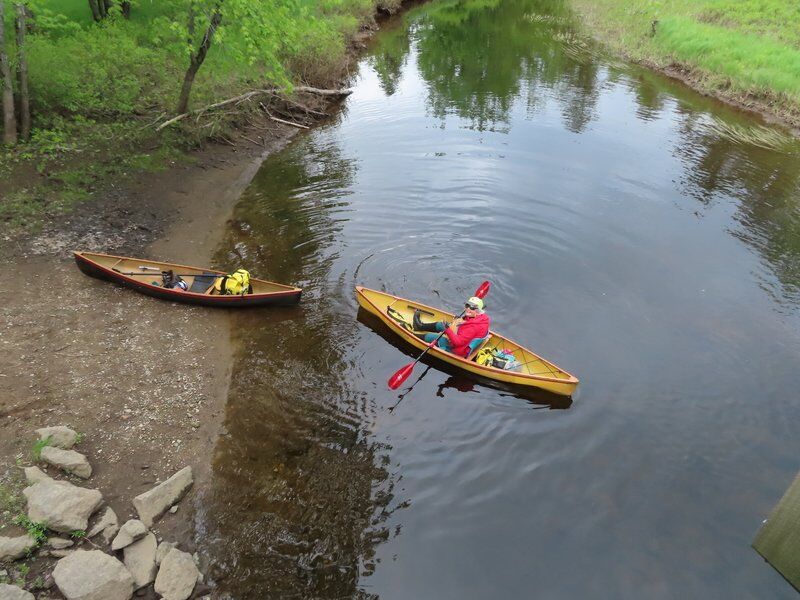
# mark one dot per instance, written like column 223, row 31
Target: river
column 637, row 234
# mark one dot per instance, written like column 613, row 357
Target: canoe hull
column 92, row 268
column 563, row 385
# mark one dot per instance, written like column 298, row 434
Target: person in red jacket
column 459, row 334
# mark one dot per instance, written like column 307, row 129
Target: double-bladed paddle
column 396, row 380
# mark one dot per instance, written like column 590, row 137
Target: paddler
column 459, row 334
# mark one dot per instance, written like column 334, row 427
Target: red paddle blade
column 396, row 380
column 483, row 290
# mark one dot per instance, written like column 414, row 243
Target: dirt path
column 144, row 381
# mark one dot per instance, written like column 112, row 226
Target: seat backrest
column 475, row 345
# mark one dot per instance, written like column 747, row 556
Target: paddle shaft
column 176, row 274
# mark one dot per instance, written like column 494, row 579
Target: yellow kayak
column 531, row 371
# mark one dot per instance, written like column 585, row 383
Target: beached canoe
column 534, row 371
column 145, row 276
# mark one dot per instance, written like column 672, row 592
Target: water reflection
column 294, row 503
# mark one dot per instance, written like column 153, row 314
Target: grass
column 40, row 445
column 741, row 49
column 97, row 89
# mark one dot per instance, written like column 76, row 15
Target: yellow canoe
column 535, row 371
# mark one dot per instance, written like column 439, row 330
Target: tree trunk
column 9, row 122
column 101, row 8
column 197, row 59
column 126, row 9
column 106, row 6
column 95, row 10
column 22, row 76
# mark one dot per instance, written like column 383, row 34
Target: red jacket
column 470, row 329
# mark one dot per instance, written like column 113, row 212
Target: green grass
column 739, row 48
column 40, row 445
column 96, row 87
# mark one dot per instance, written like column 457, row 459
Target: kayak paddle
column 396, row 380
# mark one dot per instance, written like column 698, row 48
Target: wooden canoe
column 126, row 271
column 535, row 372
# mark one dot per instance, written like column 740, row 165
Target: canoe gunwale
column 96, row 269
column 443, row 355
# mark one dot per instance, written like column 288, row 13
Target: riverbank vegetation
column 747, row 51
column 86, row 83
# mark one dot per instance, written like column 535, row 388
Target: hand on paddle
column 396, row 380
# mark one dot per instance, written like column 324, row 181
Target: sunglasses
column 470, row 306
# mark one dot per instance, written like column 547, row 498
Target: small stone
column 108, row 524
column 12, row 592
column 163, row 550
column 177, row 576
column 59, row 543
column 12, row 548
column 130, row 532
column 60, row 436
column 140, row 560
column 35, row 475
column 67, row 460
column 93, row 575
column 61, row 553
column 152, row 504
column 174, row 509
column 63, row 506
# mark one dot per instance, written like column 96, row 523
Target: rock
column 163, row 550
column 67, row 460
column 59, row 543
column 174, row 509
column 63, row 506
column 140, row 560
column 60, row 436
column 12, row 548
column 35, row 475
column 12, row 592
column 152, row 504
column 177, row 576
column 93, row 575
column 131, row 531
column 108, row 524
column 60, row 553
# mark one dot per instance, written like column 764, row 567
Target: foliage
column 78, row 534
column 40, row 445
column 38, row 531
column 738, row 46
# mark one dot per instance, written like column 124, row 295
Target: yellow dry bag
column 236, row 283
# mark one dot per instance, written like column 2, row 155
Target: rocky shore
column 80, row 551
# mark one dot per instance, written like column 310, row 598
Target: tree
column 22, row 75
column 9, row 121
column 261, row 30
column 196, row 58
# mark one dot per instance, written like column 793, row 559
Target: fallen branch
column 273, row 91
column 289, row 123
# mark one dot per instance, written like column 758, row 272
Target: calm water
column 637, row 234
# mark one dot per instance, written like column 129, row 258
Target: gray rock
column 62, row 506
column 60, row 436
column 152, row 504
column 108, row 524
column 67, row 460
column 140, row 560
column 131, row 531
column 61, row 553
column 12, row 548
column 35, row 475
column 177, row 576
column 93, row 575
column 12, row 592
column 163, row 550
column 59, row 543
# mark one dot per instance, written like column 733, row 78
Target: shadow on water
column 458, row 380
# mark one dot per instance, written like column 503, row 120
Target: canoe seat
column 476, row 345
column 202, row 282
